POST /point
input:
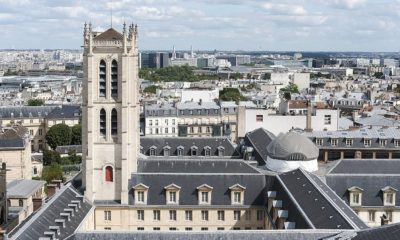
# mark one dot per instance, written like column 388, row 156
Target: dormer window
column 319, row 141
column 349, row 142
column 166, row 151
column 237, row 194
column 367, row 142
column 389, row 196
column 221, row 151
column 382, row 142
column 179, row 150
column 172, row 193
column 204, row 194
column 193, row 150
column 153, row 150
column 207, row 151
column 334, row 142
column 141, row 191
column 397, row 143
column 355, row 196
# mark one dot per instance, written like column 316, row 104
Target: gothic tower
column 110, row 112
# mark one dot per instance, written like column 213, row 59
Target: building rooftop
column 65, row 112
column 23, row 188
column 367, row 167
column 365, row 132
column 188, row 166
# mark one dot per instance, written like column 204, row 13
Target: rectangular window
column 397, row 143
column 107, row 228
column 389, row 215
column 172, row 229
column 221, row 215
column 40, row 132
column 172, row 197
column 140, row 228
column 327, row 120
column 188, row 215
column 259, row 118
column 204, row 229
column 236, row 215
column 260, row 215
column 334, row 142
column 356, row 198
column 173, row 121
column 172, row 215
column 237, row 197
column 247, row 215
column 173, row 130
column 31, row 132
column 156, row 122
column 236, row 228
column 107, row 215
column 204, row 197
column 140, row 196
column 220, row 229
column 389, row 198
column 140, row 215
column 156, row 229
column 319, row 141
column 371, row 216
column 166, row 121
column 166, row 130
column 349, row 142
column 156, row 215
column 204, row 215
column 150, row 122
column 382, row 142
column 188, row 229
column 367, row 142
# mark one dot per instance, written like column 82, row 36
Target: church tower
column 110, row 112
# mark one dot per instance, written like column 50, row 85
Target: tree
column 76, row 134
column 379, row 75
column 151, row 89
column 35, row 102
column 58, row 135
column 291, row 88
column 52, row 172
column 230, row 94
column 50, row 157
column 267, row 76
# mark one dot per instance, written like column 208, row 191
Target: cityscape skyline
column 359, row 25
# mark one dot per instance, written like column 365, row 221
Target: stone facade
column 110, row 112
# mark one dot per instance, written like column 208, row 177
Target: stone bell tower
column 110, row 112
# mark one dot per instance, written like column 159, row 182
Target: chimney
column 308, row 120
column 355, row 115
column 384, row 220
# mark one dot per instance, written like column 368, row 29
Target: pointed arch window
column 114, row 122
column 102, row 78
column 114, row 79
column 103, row 129
column 109, row 174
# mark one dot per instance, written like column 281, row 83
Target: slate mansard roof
column 65, row 112
column 188, row 175
column 23, row 188
column 175, row 142
column 25, row 112
column 374, row 133
column 370, row 175
column 312, row 204
column 39, row 224
column 259, row 140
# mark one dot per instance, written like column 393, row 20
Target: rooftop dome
column 292, row 146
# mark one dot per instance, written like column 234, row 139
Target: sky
column 256, row 25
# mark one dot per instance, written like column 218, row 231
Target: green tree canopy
column 35, row 102
column 169, row 74
column 52, row 172
column 76, row 134
column 291, row 88
column 58, row 135
column 50, row 157
column 231, row 94
column 151, row 89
